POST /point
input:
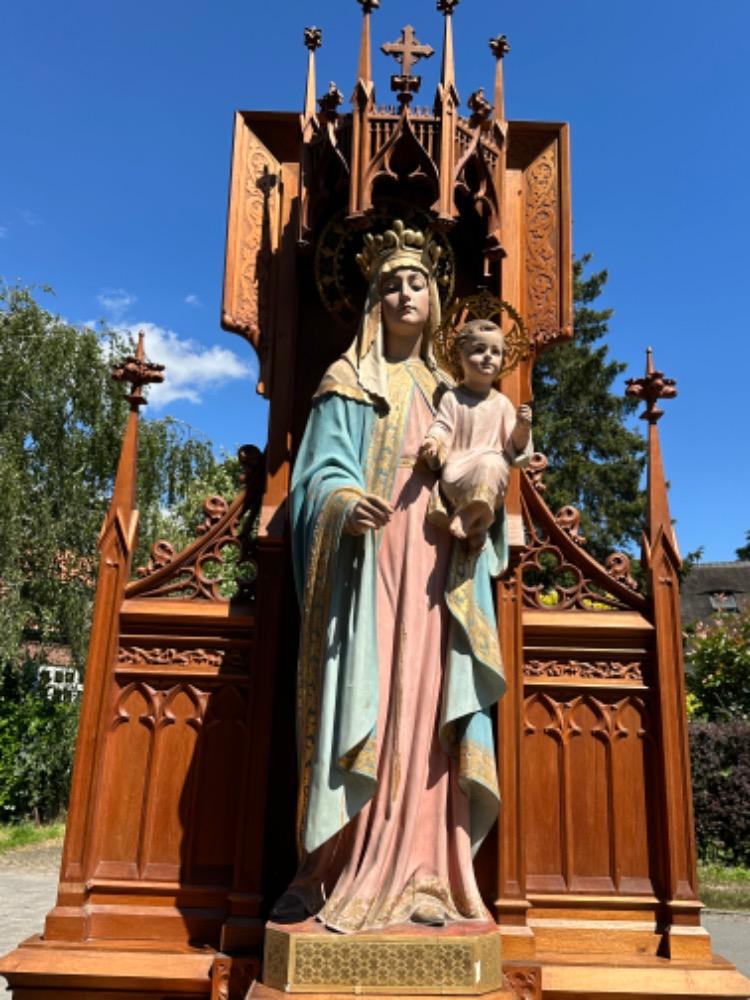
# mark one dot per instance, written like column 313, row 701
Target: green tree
column 61, row 424
column 580, row 424
column 743, row 552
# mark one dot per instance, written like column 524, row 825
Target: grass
column 14, row 835
column 724, row 888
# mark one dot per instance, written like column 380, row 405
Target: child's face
column 482, row 356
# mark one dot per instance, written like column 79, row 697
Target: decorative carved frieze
column 195, row 659
column 610, row 670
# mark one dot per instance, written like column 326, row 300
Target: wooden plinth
column 460, row 959
column 587, row 977
column 36, row 969
column 124, row 970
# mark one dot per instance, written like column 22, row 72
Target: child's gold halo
column 482, row 305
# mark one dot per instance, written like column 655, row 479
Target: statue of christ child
column 475, row 438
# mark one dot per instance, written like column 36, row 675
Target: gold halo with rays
column 482, row 305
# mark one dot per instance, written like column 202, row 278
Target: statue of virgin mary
column 399, row 662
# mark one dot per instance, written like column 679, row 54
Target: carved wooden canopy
column 499, row 191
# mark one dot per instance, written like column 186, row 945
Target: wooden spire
column 500, row 48
column 448, row 70
column 116, row 544
column 446, row 103
column 363, row 101
column 313, row 40
column 364, row 68
column 652, row 387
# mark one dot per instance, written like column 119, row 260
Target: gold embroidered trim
column 317, row 598
column 461, row 601
column 477, row 763
column 426, row 382
column 388, row 434
column 363, row 758
column 339, row 389
column 374, row 913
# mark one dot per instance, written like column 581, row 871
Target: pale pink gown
column 473, row 434
column 407, row 853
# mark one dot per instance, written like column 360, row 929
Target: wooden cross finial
column 407, row 51
column 138, row 372
column 651, row 388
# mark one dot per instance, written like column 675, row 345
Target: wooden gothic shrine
column 180, row 832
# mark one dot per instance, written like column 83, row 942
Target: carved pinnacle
column 650, row 388
column 447, row 6
column 500, row 46
column 480, row 108
column 369, row 5
column 313, row 38
column 330, row 102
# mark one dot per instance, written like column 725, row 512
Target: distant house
column 712, row 587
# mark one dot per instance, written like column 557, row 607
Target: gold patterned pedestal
column 459, row 960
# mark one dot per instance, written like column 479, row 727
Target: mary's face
column 405, row 298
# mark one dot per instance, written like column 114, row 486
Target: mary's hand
column 369, row 512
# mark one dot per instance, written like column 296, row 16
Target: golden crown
column 398, row 247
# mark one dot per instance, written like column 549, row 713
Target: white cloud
column 116, row 302
column 193, row 300
column 191, row 368
column 29, row 217
column 4, row 230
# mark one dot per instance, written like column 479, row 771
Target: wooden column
column 511, row 905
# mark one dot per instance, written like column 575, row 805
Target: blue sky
column 117, row 122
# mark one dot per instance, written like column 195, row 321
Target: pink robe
column 408, row 850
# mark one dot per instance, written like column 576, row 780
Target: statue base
column 459, row 959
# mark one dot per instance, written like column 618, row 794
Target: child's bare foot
column 456, row 527
column 471, row 518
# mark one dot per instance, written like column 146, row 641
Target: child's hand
column 523, row 416
column 429, row 453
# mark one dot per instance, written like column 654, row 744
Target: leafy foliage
column 595, row 460
column 720, row 756
column 61, row 424
column 37, row 735
column 717, row 655
column 743, row 552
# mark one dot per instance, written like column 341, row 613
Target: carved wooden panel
column 169, row 809
column 541, row 152
column 586, row 774
column 252, row 241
